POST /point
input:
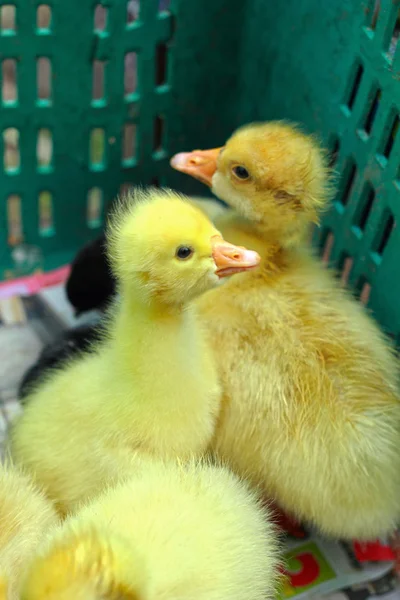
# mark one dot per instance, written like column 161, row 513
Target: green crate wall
column 73, row 46
column 329, row 65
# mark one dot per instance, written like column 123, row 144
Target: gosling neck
column 290, row 237
column 135, row 302
column 274, row 245
column 279, row 257
column 279, row 249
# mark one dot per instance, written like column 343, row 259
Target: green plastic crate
column 204, row 67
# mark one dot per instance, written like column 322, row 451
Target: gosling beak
column 230, row 259
column 200, row 164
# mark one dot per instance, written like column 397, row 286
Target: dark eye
column 241, row 172
column 184, row 252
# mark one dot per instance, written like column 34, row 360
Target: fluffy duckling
column 25, row 517
column 151, row 385
column 173, row 532
column 311, row 406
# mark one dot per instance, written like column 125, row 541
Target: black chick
column 66, row 346
column 90, row 284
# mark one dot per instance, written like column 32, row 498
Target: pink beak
column 231, row 259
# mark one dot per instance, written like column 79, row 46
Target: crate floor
column 20, row 345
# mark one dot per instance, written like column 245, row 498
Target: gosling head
column 3, row 587
column 271, row 173
column 84, row 565
column 165, row 249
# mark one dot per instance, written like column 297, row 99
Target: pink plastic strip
column 32, row 284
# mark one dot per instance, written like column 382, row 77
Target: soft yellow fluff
column 151, row 385
column 25, row 516
column 211, row 207
column 311, row 406
column 191, row 532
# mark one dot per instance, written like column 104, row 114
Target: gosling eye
column 184, row 252
column 241, row 172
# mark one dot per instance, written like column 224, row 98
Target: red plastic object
column 378, row 551
column 286, row 523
